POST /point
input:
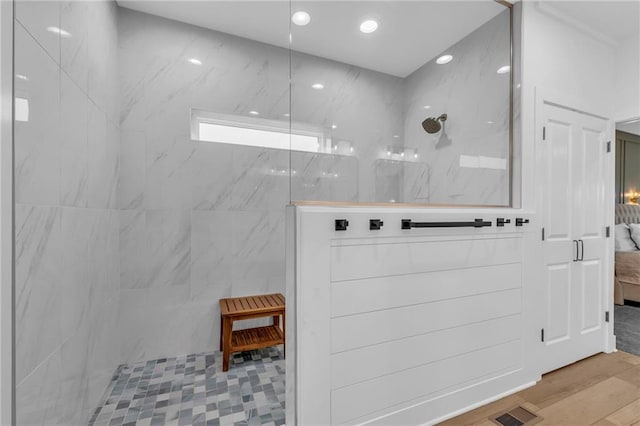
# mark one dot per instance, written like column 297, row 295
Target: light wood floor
column 603, row 390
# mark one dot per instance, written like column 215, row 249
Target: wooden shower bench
column 249, row 307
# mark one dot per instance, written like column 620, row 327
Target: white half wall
column 407, row 326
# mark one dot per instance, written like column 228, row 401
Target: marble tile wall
column 476, row 99
column 199, row 220
column 67, row 224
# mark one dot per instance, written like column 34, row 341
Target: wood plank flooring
column 602, row 390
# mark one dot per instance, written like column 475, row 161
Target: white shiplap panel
column 371, row 328
column 384, row 392
column 348, row 368
column 379, row 260
column 371, row 294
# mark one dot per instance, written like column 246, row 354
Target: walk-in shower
column 157, row 145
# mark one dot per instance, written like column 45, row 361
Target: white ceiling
column 410, row 33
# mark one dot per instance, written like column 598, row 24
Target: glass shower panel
column 412, row 99
column 214, row 116
column 151, row 178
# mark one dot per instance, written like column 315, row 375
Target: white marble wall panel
column 259, row 183
column 67, row 228
column 102, row 69
column 38, row 261
column 213, row 176
column 38, row 17
column 103, row 257
column 133, row 254
column 211, row 254
column 149, row 322
column 324, row 177
column 74, row 50
column 37, row 395
column 169, row 253
column 74, row 154
column 73, row 288
column 65, row 387
column 168, row 172
column 37, row 151
column 132, row 174
column 476, row 99
column 103, row 160
column 364, row 106
column 389, row 184
column 154, row 248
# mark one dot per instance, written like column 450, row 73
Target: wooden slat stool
column 244, row 308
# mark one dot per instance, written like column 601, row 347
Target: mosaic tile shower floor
column 193, row 390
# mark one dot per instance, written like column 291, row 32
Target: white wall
column 627, row 79
column 578, row 71
column 559, row 58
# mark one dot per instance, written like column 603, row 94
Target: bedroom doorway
column 627, row 237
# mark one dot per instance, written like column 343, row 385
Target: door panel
column 558, row 303
column 572, row 202
column 559, row 180
column 589, row 203
column 590, row 273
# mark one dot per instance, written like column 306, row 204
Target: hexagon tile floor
column 193, row 390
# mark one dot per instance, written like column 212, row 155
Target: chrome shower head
column 432, row 125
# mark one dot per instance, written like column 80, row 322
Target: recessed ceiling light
column 301, row 18
column 503, row 70
column 334, row 126
column 22, row 77
column 286, row 114
column 368, row 26
column 318, row 86
column 444, row 59
column 427, row 107
column 195, row 61
column 489, row 122
column 60, row 31
column 254, row 113
column 396, row 136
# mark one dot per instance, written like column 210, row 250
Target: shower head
column 432, row 125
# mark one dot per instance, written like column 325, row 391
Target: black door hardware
column 375, row 224
column 581, row 250
column 477, row 223
column 341, row 224
column 520, row 221
column 501, row 221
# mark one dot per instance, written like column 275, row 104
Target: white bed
column 627, row 263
